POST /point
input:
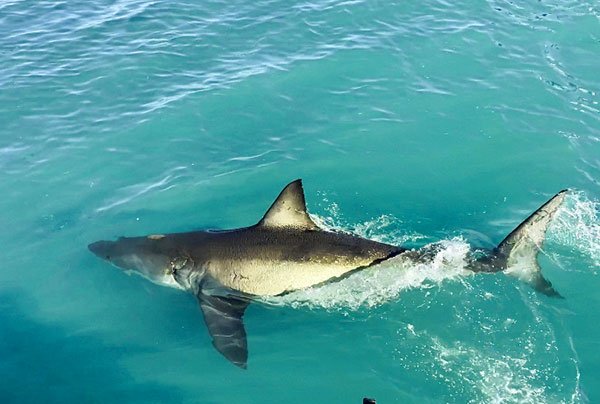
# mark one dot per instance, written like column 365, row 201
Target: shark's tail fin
column 517, row 254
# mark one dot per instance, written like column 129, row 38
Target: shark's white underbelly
column 262, row 278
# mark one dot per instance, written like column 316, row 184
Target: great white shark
column 287, row 251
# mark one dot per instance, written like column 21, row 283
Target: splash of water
column 493, row 376
column 385, row 228
column 577, row 227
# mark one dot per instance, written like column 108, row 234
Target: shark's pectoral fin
column 223, row 317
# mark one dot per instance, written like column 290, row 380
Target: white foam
column 385, row 228
column 494, row 377
column 577, row 227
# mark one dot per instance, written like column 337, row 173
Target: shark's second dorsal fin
column 289, row 210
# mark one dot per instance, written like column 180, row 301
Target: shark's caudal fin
column 517, row 254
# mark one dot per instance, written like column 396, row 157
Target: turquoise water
column 410, row 123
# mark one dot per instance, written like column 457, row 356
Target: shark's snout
column 143, row 255
column 102, row 249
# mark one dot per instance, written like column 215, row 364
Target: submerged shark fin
column 223, row 317
column 289, row 209
column 518, row 252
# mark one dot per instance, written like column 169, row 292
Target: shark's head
column 153, row 257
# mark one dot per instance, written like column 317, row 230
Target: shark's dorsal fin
column 289, row 210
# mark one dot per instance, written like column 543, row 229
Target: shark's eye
column 178, row 264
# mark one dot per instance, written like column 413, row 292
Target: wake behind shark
column 286, row 251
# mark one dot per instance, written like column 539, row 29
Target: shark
column 286, row 251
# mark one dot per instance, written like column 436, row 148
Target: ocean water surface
column 409, row 122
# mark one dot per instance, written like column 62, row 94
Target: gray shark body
column 287, row 251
